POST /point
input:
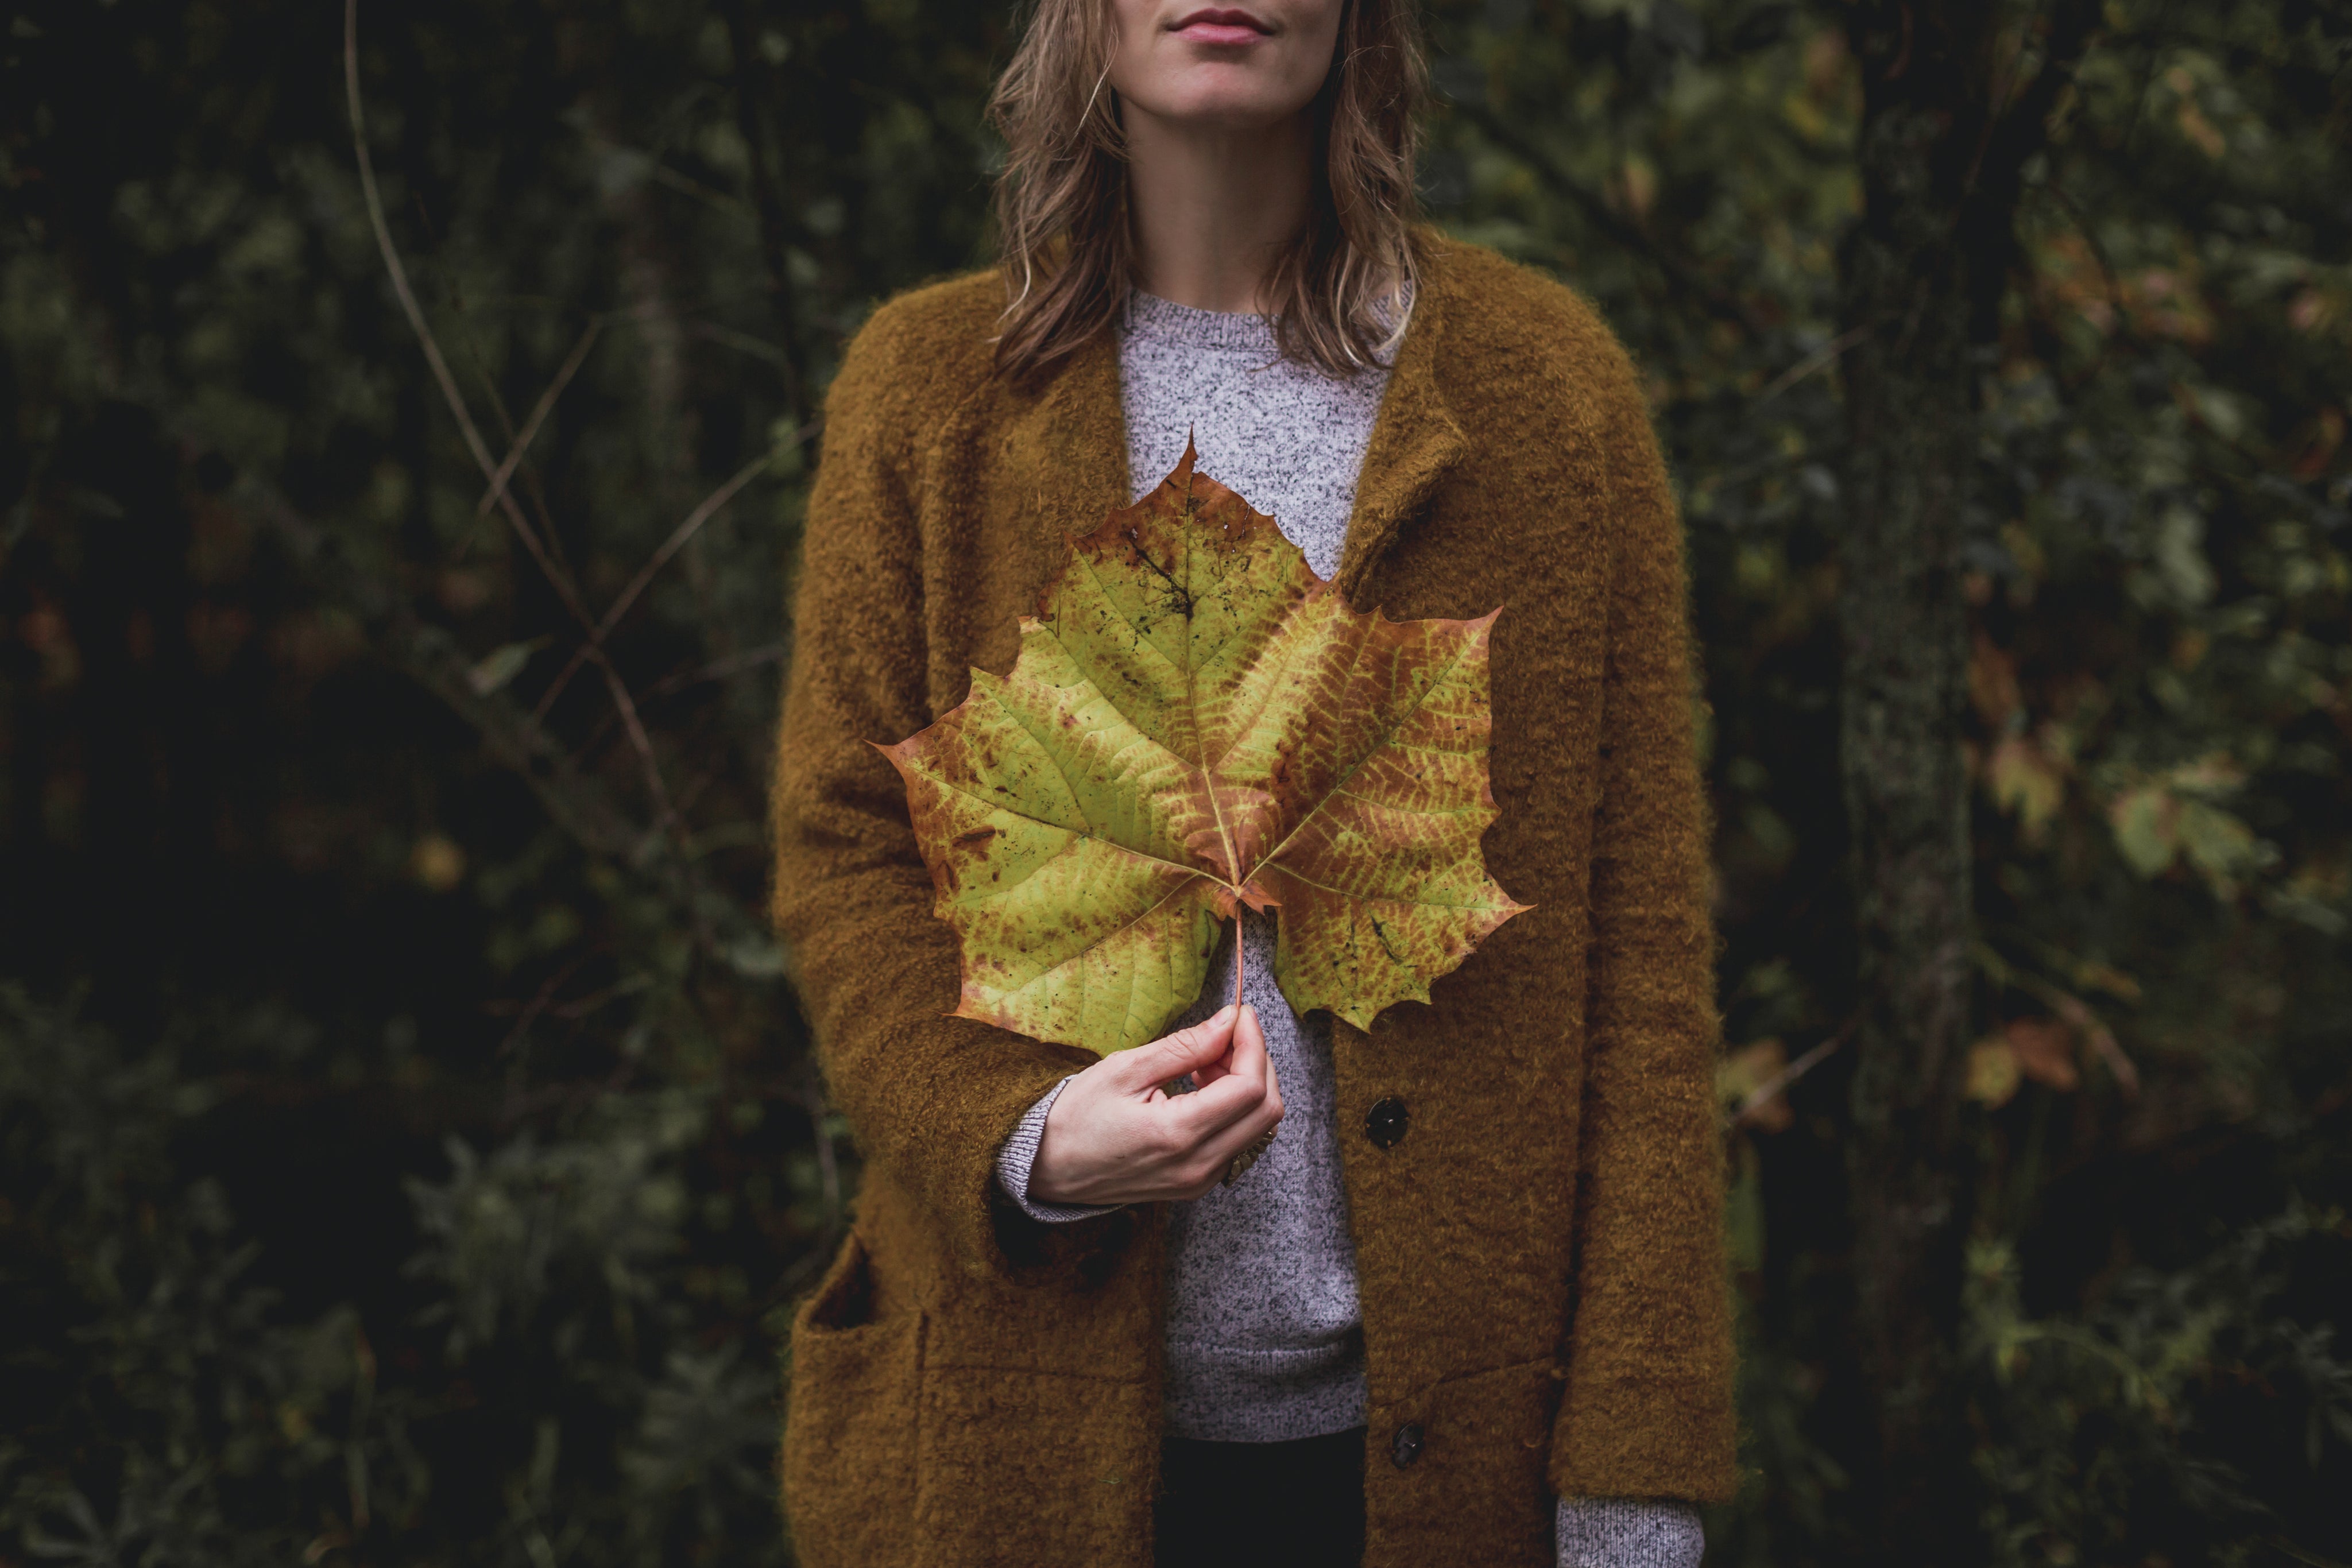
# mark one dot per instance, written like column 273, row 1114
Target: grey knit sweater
column 1265, row 1339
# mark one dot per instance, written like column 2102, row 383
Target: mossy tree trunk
column 1956, row 94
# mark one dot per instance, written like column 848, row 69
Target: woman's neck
column 1212, row 205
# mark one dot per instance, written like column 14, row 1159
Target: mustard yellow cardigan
column 1539, row 1256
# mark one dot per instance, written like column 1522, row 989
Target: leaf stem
column 1237, row 961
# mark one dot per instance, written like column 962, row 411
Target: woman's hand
column 1116, row 1136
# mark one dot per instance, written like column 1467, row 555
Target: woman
column 1468, row 1308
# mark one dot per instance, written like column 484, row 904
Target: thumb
column 1174, row 1055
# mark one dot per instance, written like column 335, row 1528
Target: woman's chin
column 1221, row 96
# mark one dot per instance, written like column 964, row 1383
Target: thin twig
column 733, row 206
column 742, row 343
column 529, row 1013
column 578, row 805
column 676, row 541
column 666, row 818
column 574, row 1011
column 718, row 669
column 1817, row 360
column 536, row 494
column 573, row 801
column 2078, row 1015
column 571, row 367
column 671, row 684
column 708, row 507
column 1751, row 1109
column 383, row 242
column 2116, row 306
column 398, row 272
column 560, row 581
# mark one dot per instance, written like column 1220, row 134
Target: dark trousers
column 1284, row 1505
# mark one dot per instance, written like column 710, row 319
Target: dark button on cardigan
column 1405, row 1447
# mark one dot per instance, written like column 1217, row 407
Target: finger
column 1249, row 1038
column 1241, row 1091
column 1247, row 1057
column 1207, row 1073
column 1245, row 1017
column 1174, row 1055
column 1193, row 1119
column 1209, row 1162
column 1248, row 1034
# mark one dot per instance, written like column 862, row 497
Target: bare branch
column 720, row 669
column 571, row 367
column 1751, row 1110
column 716, row 670
column 561, row 581
column 685, row 530
column 708, row 508
column 575, row 802
column 1819, row 358
column 666, row 818
column 390, row 255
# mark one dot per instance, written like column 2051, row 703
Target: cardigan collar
column 1084, row 433
column 1415, row 440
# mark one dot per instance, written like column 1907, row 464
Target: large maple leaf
column 1196, row 722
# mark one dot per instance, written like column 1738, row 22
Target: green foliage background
column 408, row 1147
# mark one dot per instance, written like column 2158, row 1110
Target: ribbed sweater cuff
column 1619, row 1533
column 1019, row 1156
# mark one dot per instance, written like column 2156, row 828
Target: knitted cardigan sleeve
column 1646, row 1411
column 931, row 1098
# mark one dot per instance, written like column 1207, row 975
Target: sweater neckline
column 1148, row 318
column 1151, row 319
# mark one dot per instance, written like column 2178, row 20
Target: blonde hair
column 1340, row 290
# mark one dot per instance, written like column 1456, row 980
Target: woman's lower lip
column 1219, row 33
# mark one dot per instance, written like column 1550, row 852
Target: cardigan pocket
column 1065, row 1466
column 848, row 1463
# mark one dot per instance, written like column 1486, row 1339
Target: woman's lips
column 1220, row 27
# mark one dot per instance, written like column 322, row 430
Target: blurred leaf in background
column 409, row 1150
